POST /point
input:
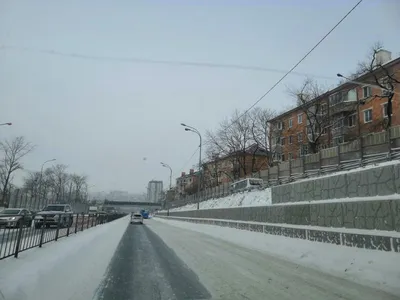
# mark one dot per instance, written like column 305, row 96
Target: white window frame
column 355, row 120
column 279, row 125
column 283, row 141
column 372, row 117
column 290, row 122
column 290, row 140
column 384, row 111
column 367, row 88
column 300, row 118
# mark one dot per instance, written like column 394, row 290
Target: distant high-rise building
column 154, row 191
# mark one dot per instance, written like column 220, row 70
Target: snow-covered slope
column 245, row 199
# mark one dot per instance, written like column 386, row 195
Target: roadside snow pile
column 245, row 199
column 71, row 268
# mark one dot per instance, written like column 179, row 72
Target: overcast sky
column 103, row 117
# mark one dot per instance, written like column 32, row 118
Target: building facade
column 236, row 165
column 154, row 191
column 355, row 108
column 186, row 184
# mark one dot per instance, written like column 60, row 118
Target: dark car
column 15, row 217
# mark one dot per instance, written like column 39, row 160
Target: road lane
column 143, row 267
column 229, row 271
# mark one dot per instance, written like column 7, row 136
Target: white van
column 247, row 184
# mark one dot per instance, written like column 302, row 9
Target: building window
column 283, row 141
column 290, row 123
column 335, row 98
column 338, row 140
column 324, row 109
column 300, row 137
column 351, row 120
column 384, row 110
column 283, row 157
column 299, row 118
column 324, row 131
column 303, row 150
column 291, row 139
column 367, row 91
column 368, row 115
column 280, row 125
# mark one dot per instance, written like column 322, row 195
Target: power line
column 160, row 62
column 184, row 166
column 297, row 64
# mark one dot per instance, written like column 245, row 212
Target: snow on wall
column 245, row 199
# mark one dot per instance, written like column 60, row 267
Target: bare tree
column 13, row 152
column 309, row 98
column 79, row 183
column 261, row 131
column 232, row 139
column 382, row 76
column 59, row 180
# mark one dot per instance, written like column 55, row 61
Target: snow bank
column 359, row 169
column 245, row 199
column 378, row 269
column 70, row 268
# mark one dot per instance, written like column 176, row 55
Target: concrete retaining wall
column 369, row 182
column 378, row 214
column 350, row 239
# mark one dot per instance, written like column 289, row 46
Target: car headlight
column 12, row 218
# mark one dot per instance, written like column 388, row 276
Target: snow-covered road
column 175, row 260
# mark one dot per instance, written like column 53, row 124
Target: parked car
column 136, row 218
column 14, row 217
column 54, row 214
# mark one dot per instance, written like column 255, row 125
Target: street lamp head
column 183, row 124
column 9, row 123
column 339, row 75
column 187, row 129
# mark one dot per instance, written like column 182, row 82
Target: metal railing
column 22, row 232
column 344, row 165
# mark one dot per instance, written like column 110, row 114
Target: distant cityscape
column 118, row 196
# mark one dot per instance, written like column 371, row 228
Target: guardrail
column 19, row 233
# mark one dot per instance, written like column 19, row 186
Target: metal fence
column 371, row 149
column 22, row 232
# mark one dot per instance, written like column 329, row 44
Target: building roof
column 253, row 149
column 345, row 85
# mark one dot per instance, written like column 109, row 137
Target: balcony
column 344, row 130
column 343, row 107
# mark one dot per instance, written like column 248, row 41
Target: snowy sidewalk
column 70, row 267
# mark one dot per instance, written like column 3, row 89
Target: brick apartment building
column 353, row 109
column 235, row 165
column 186, row 184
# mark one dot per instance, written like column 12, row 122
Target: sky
column 116, row 119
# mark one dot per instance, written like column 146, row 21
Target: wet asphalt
column 145, row 268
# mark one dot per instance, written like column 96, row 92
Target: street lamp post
column 170, row 184
column 41, row 176
column 6, row 124
column 170, row 173
column 192, row 129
